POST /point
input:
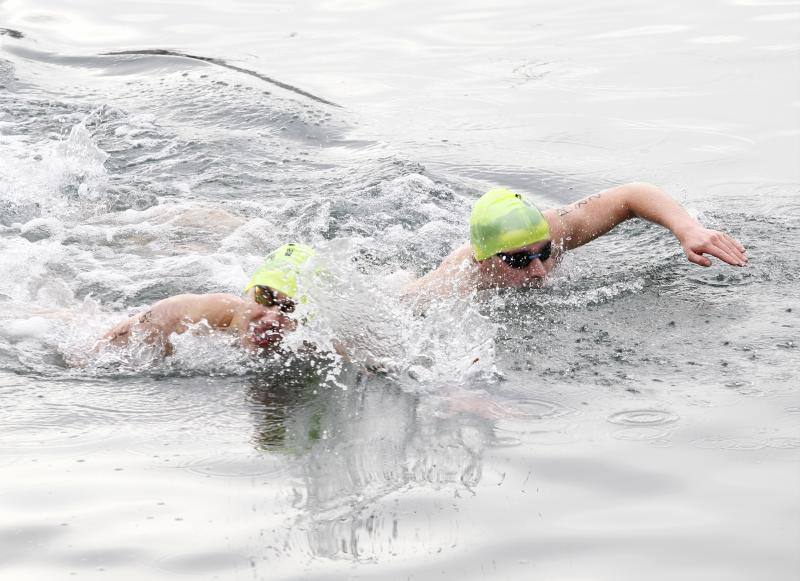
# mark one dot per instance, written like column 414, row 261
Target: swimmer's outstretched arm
column 583, row 221
column 173, row 315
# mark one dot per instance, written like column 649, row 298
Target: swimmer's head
column 266, row 328
column 280, row 269
column 274, row 289
column 503, row 220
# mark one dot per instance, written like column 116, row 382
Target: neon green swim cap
column 280, row 269
column 502, row 220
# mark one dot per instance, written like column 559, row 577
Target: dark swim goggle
column 266, row 297
column 524, row 258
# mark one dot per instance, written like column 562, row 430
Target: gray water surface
column 638, row 418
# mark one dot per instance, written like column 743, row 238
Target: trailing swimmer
column 259, row 318
column 514, row 244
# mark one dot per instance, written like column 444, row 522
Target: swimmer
column 513, row 244
column 258, row 319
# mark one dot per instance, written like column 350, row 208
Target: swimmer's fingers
column 697, row 258
column 734, row 248
column 701, row 241
column 736, row 243
column 719, row 244
column 721, row 251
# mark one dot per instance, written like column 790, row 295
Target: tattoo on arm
column 577, row 205
column 583, row 202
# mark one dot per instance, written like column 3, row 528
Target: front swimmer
column 513, row 244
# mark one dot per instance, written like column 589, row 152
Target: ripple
column 717, row 39
column 204, row 562
column 777, row 17
column 766, row 3
column 638, row 418
column 501, row 442
column 147, row 411
column 723, row 280
column 513, row 433
column 95, row 425
column 744, row 387
column 643, row 31
column 540, row 408
column 51, row 434
column 235, row 465
column 639, row 434
column 784, row 443
column 729, row 444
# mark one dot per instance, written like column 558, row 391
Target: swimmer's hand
column 697, row 241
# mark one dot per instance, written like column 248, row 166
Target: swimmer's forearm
column 589, row 218
column 651, row 203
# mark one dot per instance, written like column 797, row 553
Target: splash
column 47, row 179
column 364, row 320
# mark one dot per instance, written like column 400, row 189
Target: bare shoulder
column 450, row 275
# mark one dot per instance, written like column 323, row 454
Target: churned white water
column 638, row 417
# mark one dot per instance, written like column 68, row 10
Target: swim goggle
column 523, row 258
column 266, row 297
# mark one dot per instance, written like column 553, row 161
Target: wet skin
column 262, row 327
column 572, row 226
column 495, row 272
column 258, row 327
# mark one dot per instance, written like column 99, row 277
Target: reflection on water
column 351, row 449
column 634, row 409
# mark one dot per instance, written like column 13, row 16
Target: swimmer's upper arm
column 216, row 309
column 582, row 221
column 174, row 315
column 163, row 318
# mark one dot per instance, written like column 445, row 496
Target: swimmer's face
column 265, row 326
column 509, row 272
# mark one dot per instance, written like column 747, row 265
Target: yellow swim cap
column 502, row 220
column 280, row 269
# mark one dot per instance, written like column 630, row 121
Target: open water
column 638, row 418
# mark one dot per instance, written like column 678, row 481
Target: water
column 638, row 418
